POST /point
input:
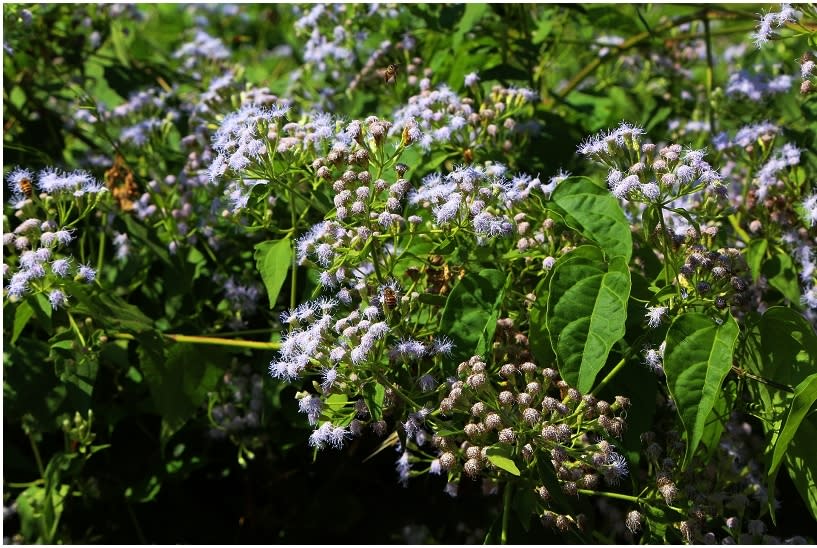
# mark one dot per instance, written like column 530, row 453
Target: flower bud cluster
column 441, row 118
column 528, row 413
column 725, row 491
column 717, row 276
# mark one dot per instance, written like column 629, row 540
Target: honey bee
column 389, row 298
column 119, row 179
column 390, row 74
column 25, row 187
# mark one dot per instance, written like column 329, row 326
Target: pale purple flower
column 312, row 407
column 57, row 298
column 403, row 468
column 87, row 273
column 61, row 267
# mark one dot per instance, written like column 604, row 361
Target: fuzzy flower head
column 655, row 314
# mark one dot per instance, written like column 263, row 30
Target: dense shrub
column 409, row 273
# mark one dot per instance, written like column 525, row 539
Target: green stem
column 382, row 380
column 710, row 74
column 101, row 254
column 293, row 289
column 76, row 329
column 610, row 376
column 667, row 259
column 636, row 40
column 37, row 457
column 619, row 496
column 27, row 484
column 506, row 514
column 216, row 341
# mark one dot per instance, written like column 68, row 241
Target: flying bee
column 390, row 74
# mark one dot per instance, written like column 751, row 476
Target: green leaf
column 598, row 215
column 542, row 31
column 110, row 311
column 121, row 39
column 472, row 15
column 697, row 358
column 42, row 309
column 805, row 394
column 754, row 256
column 801, row 462
column 524, row 504
column 785, row 351
column 273, row 260
column 82, row 375
column 139, row 233
column 538, row 333
column 471, row 310
column 782, row 275
column 650, row 219
column 374, row 394
column 500, row 456
column 716, row 421
column 179, row 383
column 23, row 313
column 586, row 312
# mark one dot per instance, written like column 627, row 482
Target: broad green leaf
column 697, row 358
column 447, row 430
column 640, row 385
column 473, row 13
column 586, row 313
column 179, row 383
column 23, row 313
column 373, row 394
column 121, row 39
column 273, row 260
column 542, row 31
column 524, row 503
column 755, row 252
column 500, row 456
column 716, row 421
column 470, row 313
column 598, row 214
column 788, row 346
column 42, row 309
column 80, row 374
column 783, row 349
column 139, row 234
column 801, row 462
column 538, row 333
column 110, row 311
column 805, row 394
column 782, row 275
column 336, row 401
